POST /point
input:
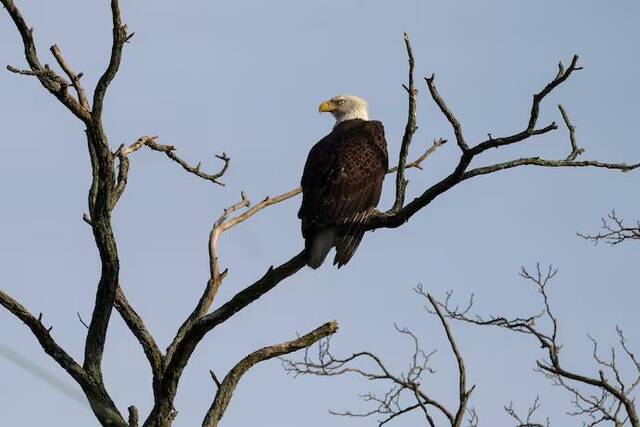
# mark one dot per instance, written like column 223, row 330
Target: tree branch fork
column 109, row 179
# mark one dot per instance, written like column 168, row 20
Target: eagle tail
column 319, row 246
column 346, row 246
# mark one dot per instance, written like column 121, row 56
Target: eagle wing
column 342, row 182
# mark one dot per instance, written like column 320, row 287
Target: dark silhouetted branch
column 453, row 121
column 614, row 404
column 417, row 163
column 394, row 403
column 169, row 150
column 51, row 81
column 73, row 77
column 463, row 392
column 117, row 46
column 527, row 421
column 410, row 129
column 230, row 382
column 395, row 218
column 44, row 338
column 97, row 396
column 615, row 231
column 137, row 327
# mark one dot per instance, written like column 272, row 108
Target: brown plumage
column 342, row 182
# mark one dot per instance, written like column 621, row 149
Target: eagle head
column 345, row 107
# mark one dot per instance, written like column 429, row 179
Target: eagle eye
column 340, row 101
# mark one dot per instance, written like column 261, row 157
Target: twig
column 215, row 379
column 52, row 82
column 575, row 151
column 82, row 321
column 75, row 78
column 169, row 150
column 455, row 124
column 615, row 231
column 417, row 163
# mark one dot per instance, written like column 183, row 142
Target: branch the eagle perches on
column 110, row 170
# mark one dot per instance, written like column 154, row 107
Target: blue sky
column 245, row 77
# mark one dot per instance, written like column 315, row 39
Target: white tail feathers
column 320, row 247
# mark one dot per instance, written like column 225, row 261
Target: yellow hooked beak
column 326, row 107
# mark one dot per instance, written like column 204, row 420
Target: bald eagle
column 342, row 181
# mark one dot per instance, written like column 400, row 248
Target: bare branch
column 123, row 177
column 100, row 196
column 169, row 150
column 569, row 161
column 536, row 161
column 177, row 361
column 51, row 81
column 392, row 404
column 82, row 321
column 215, row 379
column 123, row 167
column 472, row 418
column 395, row 218
column 75, row 78
column 455, row 124
column 223, row 224
column 44, row 338
column 575, row 151
column 614, row 231
column 531, row 130
column 215, row 275
column 228, row 385
column 140, row 142
column 526, row 422
column 119, row 40
column 410, row 129
column 614, row 397
column 136, row 326
column 417, row 163
column 463, row 393
column 97, row 396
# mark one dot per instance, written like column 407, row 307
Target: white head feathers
column 345, row 107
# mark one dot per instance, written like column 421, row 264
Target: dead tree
column 605, row 396
column 110, row 167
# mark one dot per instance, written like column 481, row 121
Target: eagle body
column 341, row 183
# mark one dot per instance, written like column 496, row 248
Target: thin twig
column 169, row 150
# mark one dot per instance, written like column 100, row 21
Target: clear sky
column 246, row 77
